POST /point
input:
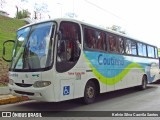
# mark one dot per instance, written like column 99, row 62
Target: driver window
column 68, row 47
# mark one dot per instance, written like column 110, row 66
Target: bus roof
column 86, row 24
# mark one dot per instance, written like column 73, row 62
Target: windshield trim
column 52, row 38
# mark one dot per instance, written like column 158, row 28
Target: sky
column 139, row 18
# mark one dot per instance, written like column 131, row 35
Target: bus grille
column 24, row 93
column 23, row 85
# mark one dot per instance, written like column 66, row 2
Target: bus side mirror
column 4, row 50
column 7, row 50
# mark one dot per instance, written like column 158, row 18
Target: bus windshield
column 33, row 47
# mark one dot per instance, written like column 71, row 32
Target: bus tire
column 144, row 83
column 89, row 93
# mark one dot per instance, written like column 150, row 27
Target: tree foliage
column 23, row 14
column 40, row 8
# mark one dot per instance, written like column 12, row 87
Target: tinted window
column 131, row 47
column 94, row 39
column 113, row 46
column 121, row 44
column 142, row 49
column 100, row 40
column 156, row 52
column 89, row 35
column 68, row 48
column 150, row 50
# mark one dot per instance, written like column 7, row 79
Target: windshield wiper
column 25, row 56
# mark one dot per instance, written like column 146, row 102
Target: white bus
column 64, row 59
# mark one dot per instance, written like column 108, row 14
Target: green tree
column 23, row 14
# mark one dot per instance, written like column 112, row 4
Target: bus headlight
column 41, row 83
column 11, row 82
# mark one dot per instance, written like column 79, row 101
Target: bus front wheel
column 89, row 92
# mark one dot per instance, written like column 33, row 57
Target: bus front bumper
column 41, row 94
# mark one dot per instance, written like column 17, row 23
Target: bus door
column 68, row 53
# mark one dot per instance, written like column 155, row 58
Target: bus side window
column 121, row 45
column 156, row 52
column 127, row 47
column 150, row 50
column 113, row 44
column 101, row 41
column 131, row 47
column 89, row 38
column 69, row 46
column 141, row 49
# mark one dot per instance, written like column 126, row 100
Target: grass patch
column 8, row 28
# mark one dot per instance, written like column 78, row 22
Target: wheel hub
column 90, row 92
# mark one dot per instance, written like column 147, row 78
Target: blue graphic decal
column 107, row 63
column 113, row 67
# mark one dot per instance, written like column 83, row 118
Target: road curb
column 11, row 99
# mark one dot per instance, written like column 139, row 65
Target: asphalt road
column 122, row 100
